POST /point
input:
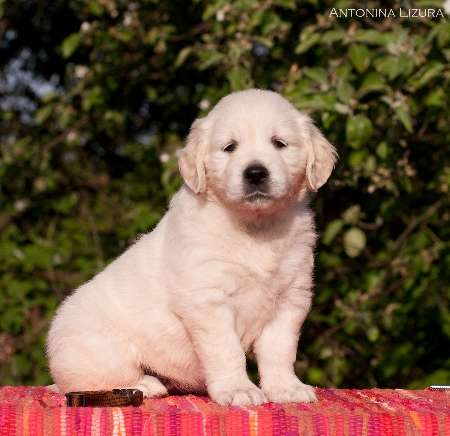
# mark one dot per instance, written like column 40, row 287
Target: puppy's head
column 255, row 151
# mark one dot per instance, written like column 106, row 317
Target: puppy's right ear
column 192, row 158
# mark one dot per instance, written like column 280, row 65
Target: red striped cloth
column 372, row 412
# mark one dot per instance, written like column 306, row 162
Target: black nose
column 256, row 174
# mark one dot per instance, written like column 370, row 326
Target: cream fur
column 218, row 276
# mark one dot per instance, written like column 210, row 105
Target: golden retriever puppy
column 227, row 269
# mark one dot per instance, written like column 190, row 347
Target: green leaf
column 239, row 78
column 394, row 66
column 382, row 150
column 93, row 97
column 318, row 75
column 344, row 91
column 183, row 54
column 70, row 44
column 209, row 58
column 43, row 113
column 307, row 41
column 287, row 4
column 425, row 74
column 405, row 118
column 374, row 37
column 436, row 98
column 358, row 130
column 315, row 376
column 332, row 230
column 317, row 102
column 370, row 164
column 270, row 22
column 95, row 7
column 330, row 260
column 66, row 204
column 151, row 93
column 331, row 36
column 360, row 57
column 443, row 35
column 352, row 214
column 372, row 82
column 212, row 8
column 354, row 241
column 356, row 158
column 373, row 333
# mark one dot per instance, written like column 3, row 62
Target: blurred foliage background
column 96, row 97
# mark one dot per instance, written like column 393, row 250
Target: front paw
column 236, row 394
column 293, row 391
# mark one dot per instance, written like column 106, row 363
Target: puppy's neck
column 257, row 221
column 274, row 220
column 254, row 221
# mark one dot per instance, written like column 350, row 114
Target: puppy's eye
column 279, row 143
column 229, row 148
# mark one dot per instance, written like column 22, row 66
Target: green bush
column 107, row 90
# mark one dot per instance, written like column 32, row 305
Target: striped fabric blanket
column 37, row 411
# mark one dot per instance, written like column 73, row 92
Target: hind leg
column 91, row 362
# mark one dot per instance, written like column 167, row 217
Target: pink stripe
column 431, row 425
column 136, row 423
column 264, row 422
column 245, row 423
column 37, row 421
column 447, row 424
column 339, row 425
column 292, row 425
column 374, row 426
column 386, row 425
column 279, row 422
column 212, row 425
column 7, row 420
column 355, row 425
column 104, row 421
column 399, row 425
column 57, row 420
column 320, row 425
column 87, row 418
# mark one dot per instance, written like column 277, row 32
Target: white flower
column 85, row 27
column 204, row 104
column 127, row 19
column 72, row 136
column 220, row 15
column 81, row 71
column 21, row 205
column 40, row 184
column 164, row 157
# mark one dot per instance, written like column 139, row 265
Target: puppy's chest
column 264, row 267
column 261, row 275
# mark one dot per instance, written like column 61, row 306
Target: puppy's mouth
column 257, row 196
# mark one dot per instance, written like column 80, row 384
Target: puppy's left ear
column 322, row 157
column 192, row 158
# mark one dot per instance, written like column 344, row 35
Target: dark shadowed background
column 96, row 97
